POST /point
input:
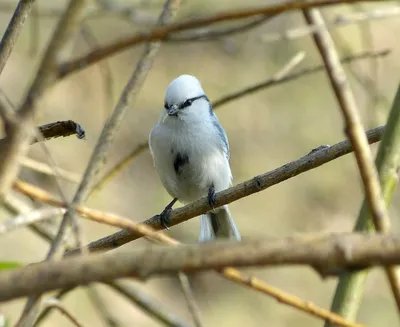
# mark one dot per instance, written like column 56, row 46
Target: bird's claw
column 164, row 218
column 212, row 199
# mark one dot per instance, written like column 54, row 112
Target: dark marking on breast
column 181, row 159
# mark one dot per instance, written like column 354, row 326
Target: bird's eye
column 187, row 103
column 166, row 106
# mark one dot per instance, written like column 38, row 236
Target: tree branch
column 314, row 159
column 355, row 133
column 13, row 30
column 328, row 254
column 161, row 33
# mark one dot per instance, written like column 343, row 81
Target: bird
column 190, row 151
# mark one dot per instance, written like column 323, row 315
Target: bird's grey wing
column 222, row 135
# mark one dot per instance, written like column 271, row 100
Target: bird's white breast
column 207, row 164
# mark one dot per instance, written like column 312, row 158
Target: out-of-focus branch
column 349, row 291
column 314, row 159
column 147, row 304
column 280, row 77
column 20, row 133
column 26, row 219
column 338, row 21
column 160, row 33
column 328, row 254
column 54, row 303
column 13, row 30
column 229, row 273
column 44, row 168
column 273, row 81
column 355, row 133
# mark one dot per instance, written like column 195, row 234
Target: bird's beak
column 173, row 110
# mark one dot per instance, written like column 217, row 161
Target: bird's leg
column 164, row 215
column 211, row 196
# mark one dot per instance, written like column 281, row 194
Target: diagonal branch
column 355, row 133
column 13, row 30
column 161, row 33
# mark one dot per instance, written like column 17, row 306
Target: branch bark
column 328, row 254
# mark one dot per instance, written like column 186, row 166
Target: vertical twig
column 355, row 132
column 21, row 133
column 349, row 291
column 13, row 29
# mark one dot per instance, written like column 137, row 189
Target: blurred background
column 266, row 130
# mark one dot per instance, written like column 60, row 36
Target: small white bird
column 191, row 154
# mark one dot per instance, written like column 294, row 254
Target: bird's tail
column 218, row 223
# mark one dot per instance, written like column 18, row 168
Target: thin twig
column 355, row 133
column 16, row 206
column 314, row 159
column 293, row 76
column 21, row 134
column 30, row 218
column 230, row 273
column 13, row 30
column 270, row 82
column 190, row 300
column 54, row 303
column 213, row 34
column 147, row 304
column 119, row 166
column 101, row 308
column 349, row 290
column 52, row 171
column 159, row 34
column 338, row 21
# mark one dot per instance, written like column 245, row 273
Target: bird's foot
column 212, row 200
column 165, row 214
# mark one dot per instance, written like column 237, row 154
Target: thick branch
column 329, row 254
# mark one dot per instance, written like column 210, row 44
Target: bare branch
column 270, row 82
column 316, row 158
column 29, row 218
column 21, row 134
column 356, row 134
column 161, row 33
column 328, row 254
column 54, row 303
column 147, row 304
column 229, row 273
column 52, row 171
column 338, row 21
column 13, row 29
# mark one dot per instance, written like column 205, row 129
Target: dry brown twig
column 159, row 34
column 316, row 158
column 229, row 273
column 355, row 133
